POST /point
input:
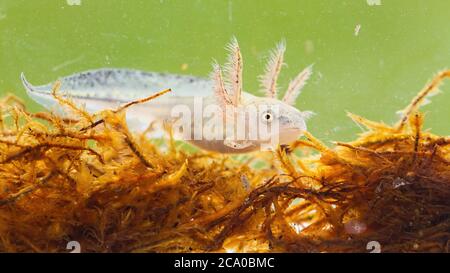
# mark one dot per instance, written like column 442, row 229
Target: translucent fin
column 41, row 95
column 123, row 85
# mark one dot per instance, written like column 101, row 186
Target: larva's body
column 101, row 89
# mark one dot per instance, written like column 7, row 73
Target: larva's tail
column 40, row 94
column 26, row 84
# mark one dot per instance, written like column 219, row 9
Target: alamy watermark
column 235, row 125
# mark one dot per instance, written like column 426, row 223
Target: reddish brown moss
column 88, row 179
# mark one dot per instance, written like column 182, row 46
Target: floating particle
column 374, row 2
column 74, row 2
column 357, row 29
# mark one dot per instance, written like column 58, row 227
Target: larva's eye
column 267, row 117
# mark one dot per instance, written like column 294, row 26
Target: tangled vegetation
column 86, row 178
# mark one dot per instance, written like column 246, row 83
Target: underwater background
column 370, row 57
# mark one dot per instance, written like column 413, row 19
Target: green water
column 401, row 44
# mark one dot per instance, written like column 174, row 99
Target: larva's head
column 286, row 123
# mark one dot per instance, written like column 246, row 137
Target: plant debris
column 86, row 178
